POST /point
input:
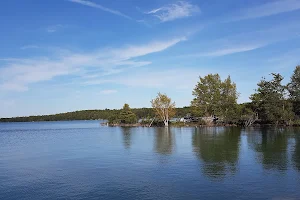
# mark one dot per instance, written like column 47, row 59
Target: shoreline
column 194, row 125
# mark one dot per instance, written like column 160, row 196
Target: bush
column 296, row 122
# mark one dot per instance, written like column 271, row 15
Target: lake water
column 82, row 160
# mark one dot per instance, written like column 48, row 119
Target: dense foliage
column 93, row 115
column 271, row 103
column 126, row 116
column 214, row 97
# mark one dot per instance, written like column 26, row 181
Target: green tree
column 229, row 96
column 270, row 101
column 216, row 97
column 294, row 89
column 127, row 116
column 294, row 85
column 163, row 107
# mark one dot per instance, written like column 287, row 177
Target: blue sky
column 67, row 55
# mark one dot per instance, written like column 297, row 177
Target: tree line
column 93, row 115
column 272, row 103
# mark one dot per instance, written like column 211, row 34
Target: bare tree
column 164, row 107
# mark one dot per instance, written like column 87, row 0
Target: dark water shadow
column 271, row 147
column 127, row 136
column 296, row 153
column 218, row 150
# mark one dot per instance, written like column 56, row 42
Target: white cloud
column 170, row 12
column 54, row 28
column 227, row 51
column 29, row 47
column 94, row 5
column 18, row 74
column 156, row 79
column 248, row 41
column 108, row 91
column 267, row 9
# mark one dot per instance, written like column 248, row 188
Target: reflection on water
column 126, row 133
column 164, row 142
column 217, row 149
column 80, row 160
column 296, row 153
column 271, row 147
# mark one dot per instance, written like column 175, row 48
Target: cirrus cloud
column 178, row 10
column 17, row 74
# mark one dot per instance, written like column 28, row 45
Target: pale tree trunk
column 166, row 121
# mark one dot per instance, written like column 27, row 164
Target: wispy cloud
column 248, row 41
column 29, row 47
column 108, row 91
column 18, row 74
column 267, row 9
column 170, row 12
column 54, row 28
column 227, row 51
column 155, row 79
column 94, row 5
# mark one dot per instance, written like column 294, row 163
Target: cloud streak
column 108, row 91
column 18, row 74
column 268, row 9
column 98, row 6
column 29, row 47
column 227, row 51
column 181, row 9
column 154, row 79
column 54, row 28
column 248, row 41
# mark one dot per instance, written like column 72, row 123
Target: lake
column 83, row 160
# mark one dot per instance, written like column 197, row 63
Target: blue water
column 84, row 160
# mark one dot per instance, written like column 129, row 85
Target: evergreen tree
column 270, row 101
column 294, row 89
column 127, row 116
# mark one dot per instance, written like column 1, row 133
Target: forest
column 271, row 103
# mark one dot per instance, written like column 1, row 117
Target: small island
column 214, row 104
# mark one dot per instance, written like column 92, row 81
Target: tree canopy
column 270, row 101
column 294, row 85
column 126, row 116
column 215, row 97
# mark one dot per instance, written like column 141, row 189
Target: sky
column 66, row 55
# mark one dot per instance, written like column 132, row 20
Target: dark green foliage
column 270, row 102
column 77, row 115
column 294, row 85
column 107, row 114
column 126, row 116
column 296, row 108
column 294, row 89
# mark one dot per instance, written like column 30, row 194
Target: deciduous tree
column 216, row 97
column 164, row 107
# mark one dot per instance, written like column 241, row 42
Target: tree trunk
column 166, row 123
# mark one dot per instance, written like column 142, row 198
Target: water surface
column 82, row 160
